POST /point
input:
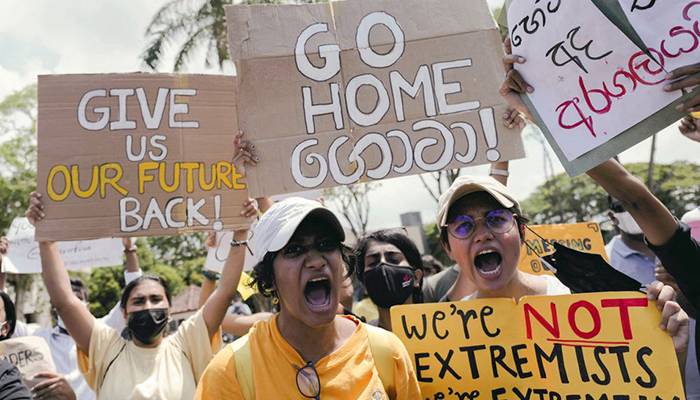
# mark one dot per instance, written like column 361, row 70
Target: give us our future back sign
column 137, row 154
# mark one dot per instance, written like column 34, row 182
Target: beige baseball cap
column 467, row 184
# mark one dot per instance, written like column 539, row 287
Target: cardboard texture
column 598, row 346
column 31, row 355
column 582, row 236
column 334, row 94
column 23, row 255
column 137, row 154
column 653, row 122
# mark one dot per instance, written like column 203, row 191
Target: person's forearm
column 239, row 325
column 657, row 223
column 132, row 262
column 208, row 288
column 233, row 268
column 500, row 167
column 215, row 308
column 55, row 275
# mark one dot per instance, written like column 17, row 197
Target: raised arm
column 217, row 304
column 656, row 221
column 239, row 325
column 210, row 277
column 77, row 318
column 132, row 260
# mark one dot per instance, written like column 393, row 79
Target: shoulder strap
column 383, row 357
column 244, row 367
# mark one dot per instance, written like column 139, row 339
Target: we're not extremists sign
column 592, row 346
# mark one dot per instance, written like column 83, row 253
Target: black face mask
column 587, row 272
column 389, row 285
column 146, row 325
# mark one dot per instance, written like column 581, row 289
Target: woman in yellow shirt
column 306, row 350
column 150, row 365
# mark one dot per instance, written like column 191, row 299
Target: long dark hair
column 398, row 238
column 10, row 314
column 137, row 281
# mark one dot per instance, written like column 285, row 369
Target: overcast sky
column 88, row 36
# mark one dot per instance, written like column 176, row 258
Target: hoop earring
column 275, row 299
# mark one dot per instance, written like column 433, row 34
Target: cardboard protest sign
column 592, row 346
column 336, row 93
column 583, row 236
column 137, row 154
column 630, row 75
column 591, row 82
column 23, row 256
column 30, row 354
column 667, row 28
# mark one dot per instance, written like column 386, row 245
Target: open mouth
column 488, row 263
column 318, row 293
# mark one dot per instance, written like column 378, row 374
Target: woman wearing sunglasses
column 306, row 350
column 482, row 229
column 389, row 266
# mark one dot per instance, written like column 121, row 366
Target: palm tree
column 199, row 23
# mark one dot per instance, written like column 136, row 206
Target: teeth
column 486, row 252
column 318, row 279
column 494, row 272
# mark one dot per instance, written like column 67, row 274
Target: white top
column 63, row 349
column 554, row 287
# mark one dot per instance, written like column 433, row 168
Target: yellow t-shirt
column 347, row 373
column 170, row 371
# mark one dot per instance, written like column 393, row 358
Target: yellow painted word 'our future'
column 63, row 180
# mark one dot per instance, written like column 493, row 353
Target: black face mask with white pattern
column 389, row 285
column 146, row 325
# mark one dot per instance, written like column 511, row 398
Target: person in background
column 627, row 251
column 11, row 385
column 233, row 324
column 389, row 266
column 62, row 345
column 54, row 387
column 149, row 365
column 629, row 254
column 431, row 265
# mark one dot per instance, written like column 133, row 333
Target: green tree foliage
column 173, row 250
column 18, row 116
column 564, row 200
column 432, row 235
column 193, row 25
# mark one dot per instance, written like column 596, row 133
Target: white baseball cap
column 468, row 184
column 279, row 223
